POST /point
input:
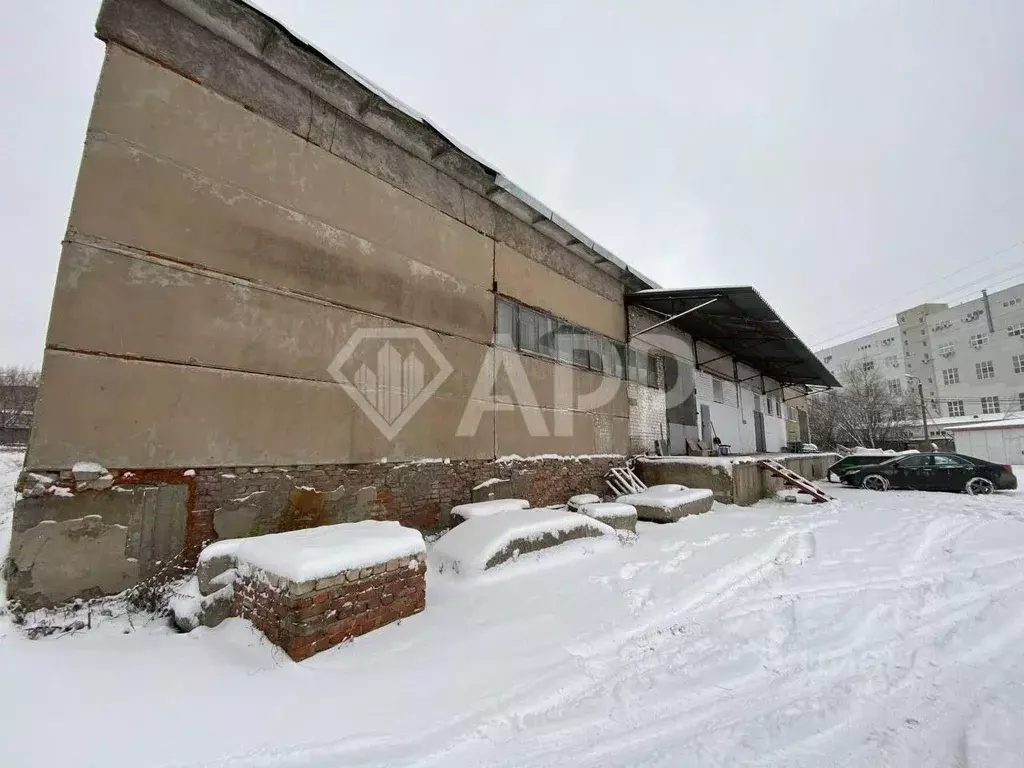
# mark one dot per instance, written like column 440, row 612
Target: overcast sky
column 848, row 159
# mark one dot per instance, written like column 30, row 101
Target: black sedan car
column 933, row 472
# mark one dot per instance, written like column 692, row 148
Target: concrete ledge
column 669, row 503
column 484, row 542
column 621, row 517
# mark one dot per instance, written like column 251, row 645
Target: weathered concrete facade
column 243, row 207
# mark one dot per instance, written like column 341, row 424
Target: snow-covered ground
column 883, row 630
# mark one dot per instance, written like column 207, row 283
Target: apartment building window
column 1012, row 302
column 869, row 365
column 1016, row 330
column 955, row 407
column 978, row 340
column 950, row 376
column 892, row 361
column 990, row 404
column 1020, row 399
column 1018, row 363
column 895, row 387
column 718, row 390
column 985, row 370
column 898, row 414
column 947, row 349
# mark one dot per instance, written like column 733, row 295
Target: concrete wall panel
column 536, row 285
column 591, row 433
column 590, row 391
column 128, row 414
column 130, row 197
column 174, row 118
column 137, row 306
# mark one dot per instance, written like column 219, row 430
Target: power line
column 988, row 279
column 972, row 265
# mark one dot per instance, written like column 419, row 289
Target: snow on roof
column 1015, row 422
column 318, row 553
column 665, row 496
column 470, row 546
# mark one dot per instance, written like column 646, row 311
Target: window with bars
column 1018, row 363
column 946, row 349
column 1020, row 399
column 990, row 404
column 985, row 370
column 950, row 376
column 955, row 407
column 978, row 340
column 895, row 387
column 1016, row 330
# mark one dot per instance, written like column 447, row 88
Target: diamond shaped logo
column 384, row 371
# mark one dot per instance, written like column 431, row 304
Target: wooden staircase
column 792, row 478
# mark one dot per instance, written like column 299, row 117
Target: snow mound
column 318, row 553
column 489, row 507
column 581, row 499
column 608, row 509
column 666, row 496
column 486, row 541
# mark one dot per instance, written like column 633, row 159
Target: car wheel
column 979, row 486
column 875, row 483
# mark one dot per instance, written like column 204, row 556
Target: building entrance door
column 759, row 431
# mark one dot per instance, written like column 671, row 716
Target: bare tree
column 866, row 411
column 18, row 387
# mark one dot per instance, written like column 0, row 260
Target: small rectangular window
column 955, row 407
column 580, row 347
column 990, row 405
column 985, row 370
column 1016, row 330
column 978, row 340
column 718, row 390
column 618, row 351
column 529, row 330
column 546, row 335
column 1018, row 363
column 505, row 324
column 951, row 376
column 564, row 342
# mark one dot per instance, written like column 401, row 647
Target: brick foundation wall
column 304, row 619
column 416, row 494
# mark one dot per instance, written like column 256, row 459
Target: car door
column 913, row 472
column 951, row 472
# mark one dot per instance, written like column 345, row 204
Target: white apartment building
column 969, row 357
column 881, row 351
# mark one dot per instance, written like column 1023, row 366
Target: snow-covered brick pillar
column 310, row 590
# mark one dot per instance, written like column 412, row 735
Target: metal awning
column 739, row 321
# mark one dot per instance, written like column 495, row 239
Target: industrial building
column 285, row 299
